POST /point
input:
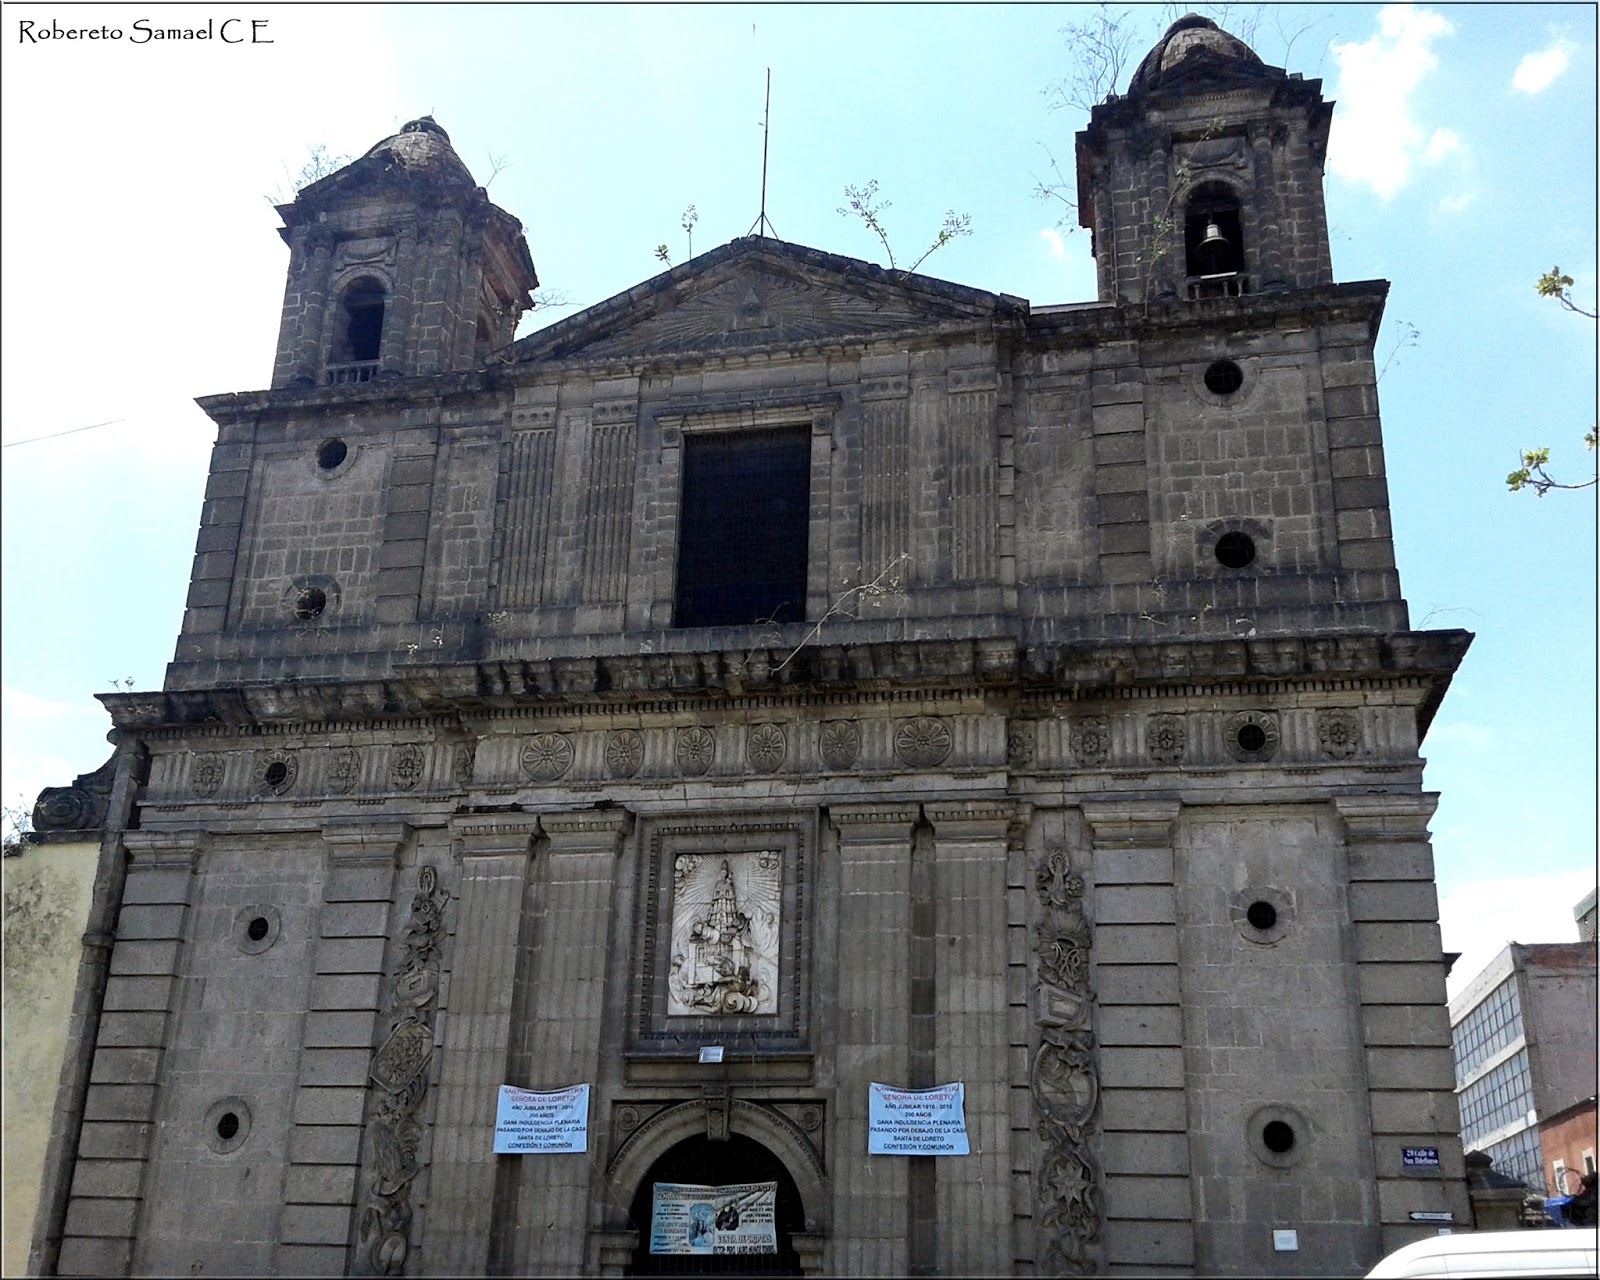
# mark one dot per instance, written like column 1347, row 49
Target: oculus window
column 743, row 526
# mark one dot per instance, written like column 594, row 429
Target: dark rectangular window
column 743, row 526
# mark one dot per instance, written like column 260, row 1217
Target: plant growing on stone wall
column 862, row 203
column 890, row 581
column 319, row 163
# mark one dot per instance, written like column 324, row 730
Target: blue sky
column 142, row 269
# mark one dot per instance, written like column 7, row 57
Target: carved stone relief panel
column 344, row 770
column 766, row 747
column 206, row 773
column 624, row 753
column 726, row 911
column 840, row 743
column 1064, row 1083
column 696, row 749
column 1338, row 734
column 1165, row 737
column 406, row 767
column 546, row 756
column 721, row 933
column 1090, row 741
column 398, row 1074
column 922, row 742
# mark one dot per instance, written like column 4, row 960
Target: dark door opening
column 702, row 1162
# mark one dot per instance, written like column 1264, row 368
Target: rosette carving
column 1090, row 741
column 766, row 747
column 841, row 744
column 624, row 753
column 1338, row 734
column 697, row 748
column 922, row 742
column 344, row 770
column 205, row 774
column 546, row 756
column 405, row 767
column 1066, row 1091
column 1021, row 744
column 1164, row 736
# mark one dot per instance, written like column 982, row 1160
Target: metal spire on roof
column 762, row 223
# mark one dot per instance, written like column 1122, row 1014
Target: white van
column 1533, row 1252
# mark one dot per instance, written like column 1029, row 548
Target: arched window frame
column 355, row 342
column 1215, row 199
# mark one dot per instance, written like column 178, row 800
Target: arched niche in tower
column 358, row 329
column 1213, row 241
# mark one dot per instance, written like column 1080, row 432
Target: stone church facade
column 880, row 679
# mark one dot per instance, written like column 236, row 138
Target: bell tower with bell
column 1204, row 180
column 399, row 266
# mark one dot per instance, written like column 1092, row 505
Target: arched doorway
column 700, row 1161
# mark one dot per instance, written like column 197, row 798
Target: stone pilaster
column 874, row 994
column 1405, row 1021
column 563, row 1029
column 475, row 1036
column 972, row 1033
column 1149, row 1201
column 394, row 355
column 347, row 968
column 119, row 1110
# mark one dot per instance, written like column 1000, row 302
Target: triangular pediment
column 758, row 292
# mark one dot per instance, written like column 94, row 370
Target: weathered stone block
column 1394, row 900
column 101, row 1217
column 320, row 1184
column 107, row 1179
column 325, row 1144
column 84, row 1256
column 314, row 1224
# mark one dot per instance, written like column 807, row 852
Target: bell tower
column 1205, row 178
column 399, row 266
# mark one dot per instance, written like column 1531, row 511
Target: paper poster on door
column 527, row 1121
column 734, row 1219
column 917, row 1122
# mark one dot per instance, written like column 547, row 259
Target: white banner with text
column 917, row 1122
column 527, row 1121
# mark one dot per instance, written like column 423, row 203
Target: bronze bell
column 1213, row 239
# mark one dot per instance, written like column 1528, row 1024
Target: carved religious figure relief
column 725, row 916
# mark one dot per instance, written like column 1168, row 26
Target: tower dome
column 420, row 154
column 1196, row 52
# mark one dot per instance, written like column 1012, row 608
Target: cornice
column 449, row 694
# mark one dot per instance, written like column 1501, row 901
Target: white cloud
column 1053, row 238
column 1457, row 203
column 1375, row 139
column 1444, row 142
column 1538, row 71
column 1479, row 919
